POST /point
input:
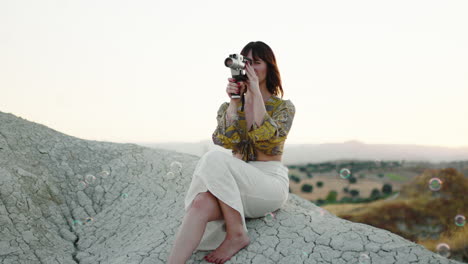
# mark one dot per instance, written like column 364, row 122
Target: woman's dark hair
column 264, row 52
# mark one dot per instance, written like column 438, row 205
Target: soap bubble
column 269, row 217
column 443, row 249
column 90, row 179
column 322, row 211
column 345, row 173
column 364, row 259
column 460, row 220
column 435, row 184
column 124, row 196
column 170, row 175
column 88, row 220
column 176, row 166
column 77, row 222
column 82, row 185
column 103, row 174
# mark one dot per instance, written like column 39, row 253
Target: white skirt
column 253, row 189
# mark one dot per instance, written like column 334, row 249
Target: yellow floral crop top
column 269, row 137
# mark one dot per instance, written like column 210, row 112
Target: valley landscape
column 422, row 204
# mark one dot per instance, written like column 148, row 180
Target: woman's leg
column 236, row 237
column 204, row 209
column 233, row 221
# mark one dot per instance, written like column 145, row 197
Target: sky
column 380, row 72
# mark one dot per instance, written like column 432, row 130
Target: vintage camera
column 237, row 63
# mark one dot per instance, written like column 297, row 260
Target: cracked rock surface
column 68, row 200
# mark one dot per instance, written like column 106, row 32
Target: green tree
column 345, row 199
column 387, row 188
column 295, row 178
column 307, row 188
column 354, row 192
column 331, row 197
column 320, row 202
column 375, row 193
column 319, row 184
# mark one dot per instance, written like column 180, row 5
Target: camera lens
column 228, row 62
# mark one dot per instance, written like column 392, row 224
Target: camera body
column 237, row 63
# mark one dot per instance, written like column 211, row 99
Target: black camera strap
column 242, row 99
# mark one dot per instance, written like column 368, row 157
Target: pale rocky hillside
column 68, row 200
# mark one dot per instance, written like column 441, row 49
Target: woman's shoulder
column 224, row 105
column 222, row 108
column 283, row 103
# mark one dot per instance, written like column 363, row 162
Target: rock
column 68, row 200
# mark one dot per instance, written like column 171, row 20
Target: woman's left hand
column 252, row 83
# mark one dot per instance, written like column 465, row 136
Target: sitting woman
column 251, row 182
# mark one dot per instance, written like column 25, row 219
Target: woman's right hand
column 234, row 88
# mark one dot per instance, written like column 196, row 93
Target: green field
column 395, row 177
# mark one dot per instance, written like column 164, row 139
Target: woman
column 253, row 181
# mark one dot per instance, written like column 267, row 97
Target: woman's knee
column 206, row 204
column 204, row 201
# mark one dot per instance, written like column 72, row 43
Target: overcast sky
column 381, row 72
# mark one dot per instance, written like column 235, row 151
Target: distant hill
column 305, row 153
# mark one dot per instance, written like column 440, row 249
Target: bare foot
column 227, row 249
